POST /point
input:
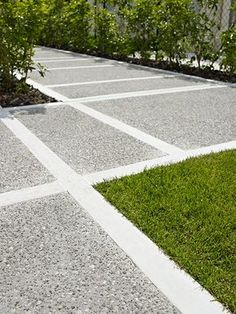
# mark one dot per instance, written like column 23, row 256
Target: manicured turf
column 189, row 210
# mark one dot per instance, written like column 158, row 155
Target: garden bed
column 31, row 97
column 189, row 70
column 206, row 72
column 189, row 210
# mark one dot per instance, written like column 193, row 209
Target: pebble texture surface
column 94, row 74
column 55, row 259
column 18, row 167
column 123, row 87
column 84, row 143
column 187, row 120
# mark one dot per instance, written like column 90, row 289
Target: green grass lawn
column 189, row 210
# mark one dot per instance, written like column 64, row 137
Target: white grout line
column 119, row 172
column 61, row 60
column 125, row 128
column 185, row 293
column 141, row 136
column 72, row 53
column 212, row 149
column 57, row 58
column 31, row 107
column 81, row 67
column 160, row 91
column 113, row 81
column 27, row 194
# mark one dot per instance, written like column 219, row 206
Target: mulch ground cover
column 31, row 97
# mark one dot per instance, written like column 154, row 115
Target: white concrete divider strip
column 56, row 58
column 82, row 67
column 32, row 107
column 125, row 128
column 185, row 293
column 27, row 194
column 144, row 137
column 160, row 91
column 113, row 81
column 135, row 168
column 61, row 60
column 212, row 149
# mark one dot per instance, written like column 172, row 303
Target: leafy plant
column 53, row 30
column 173, row 21
column 107, row 32
column 77, row 24
column 228, row 50
column 19, row 29
column 201, row 32
column 228, row 46
column 142, row 26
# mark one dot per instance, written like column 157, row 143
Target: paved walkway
column 63, row 248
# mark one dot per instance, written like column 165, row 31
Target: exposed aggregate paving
column 55, row 259
column 122, row 87
column 84, row 143
column 18, row 167
column 187, row 120
column 91, row 74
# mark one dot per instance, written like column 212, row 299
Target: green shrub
column 228, row 50
column 170, row 29
column 19, row 29
column 202, row 27
column 141, row 18
column 106, row 32
column 173, row 27
column 228, row 47
column 77, row 24
column 53, row 30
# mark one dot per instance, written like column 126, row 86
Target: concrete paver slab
column 92, row 74
column 18, row 168
column 55, row 258
column 187, row 120
column 121, row 87
column 84, row 143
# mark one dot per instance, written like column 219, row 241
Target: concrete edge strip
column 81, row 67
column 31, row 107
column 49, row 59
column 185, row 293
column 47, row 91
column 160, row 91
column 27, row 194
column 43, row 89
column 135, row 168
column 113, row 81
column 62, row 59
column 125, row 128
column 68, row 52
column 187, row 76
